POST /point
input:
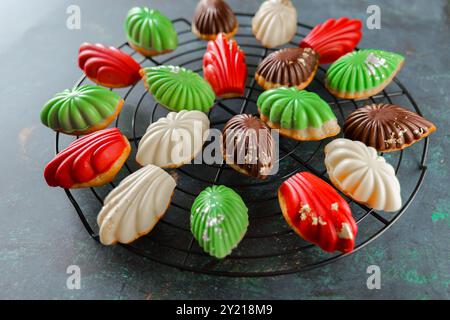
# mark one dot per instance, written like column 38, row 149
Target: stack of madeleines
column 219, row 216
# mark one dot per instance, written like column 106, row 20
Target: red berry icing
column 108, row 66
column 224, row 67
column 86, row 158
column 318, row 213
column 333, row 38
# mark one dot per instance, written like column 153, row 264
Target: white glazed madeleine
column 134, row 207
column 173, row 140
column 275, row 23
column 360, row 173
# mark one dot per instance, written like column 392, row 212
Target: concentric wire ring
column 270, row 247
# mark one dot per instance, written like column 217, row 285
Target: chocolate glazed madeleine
column 287, row 68
column 387, row 127
column 212, row 17
column 248, row 146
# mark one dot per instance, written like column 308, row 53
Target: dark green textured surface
column 40, row 234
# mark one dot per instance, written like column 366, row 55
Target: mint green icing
column 149, row 29
column 219, row 220
column 179, row 88
column 79, row 109
column 295, row 109
column 362, row 70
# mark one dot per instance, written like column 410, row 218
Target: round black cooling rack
column 270, row 247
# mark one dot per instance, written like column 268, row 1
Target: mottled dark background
column 40, row 234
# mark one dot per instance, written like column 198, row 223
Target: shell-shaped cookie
column 289, row 67
column 298, row 110
column 82, row 110
column 212, row 17
column 86, row 160
column 150, row 32
column 108, row 66
column 334, row 38
column 178, row 88
column 387, row 127
column 248, row 146
column 173, row 140
column 135, row 206
column 317, row 212
column 275, row 23
column 360, row 173
column 224, row 67
column 362, row 73
column 219, row 220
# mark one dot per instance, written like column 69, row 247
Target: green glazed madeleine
column 299, row 114
column 81, row 110
column 363, row 73
column 151, row 31
column 178, row 88
column 219, row 220
column 294, row 109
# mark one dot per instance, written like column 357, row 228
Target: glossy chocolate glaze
column 248, row 145
column 214, row 16
column 386, row 127
column 290, row 66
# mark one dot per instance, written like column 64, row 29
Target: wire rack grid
column 270, row 247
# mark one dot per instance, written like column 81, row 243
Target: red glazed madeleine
column 334, row 38
column 89, row 161
column 317, row 212
column 224, row 67
column 108, row 66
